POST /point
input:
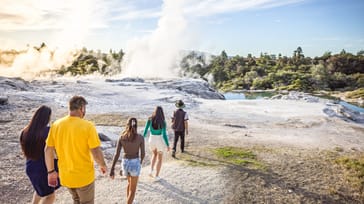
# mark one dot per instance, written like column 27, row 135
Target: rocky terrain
column 296, row 146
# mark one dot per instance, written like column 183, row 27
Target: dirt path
column 290, row 175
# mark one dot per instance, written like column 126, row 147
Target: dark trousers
column 178, row 134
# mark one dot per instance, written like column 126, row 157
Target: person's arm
column 146, row 128
column 186, row 123
column 186, row 127
column 172, row 118
column 116, row 158
column 49, row 160
column 99, row 158
column 142, row 150
column 164, row 134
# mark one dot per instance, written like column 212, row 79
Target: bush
column 359, row 93
column 262, row 83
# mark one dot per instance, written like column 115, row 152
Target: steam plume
column 155, row 55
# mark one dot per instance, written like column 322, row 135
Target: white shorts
column 156, row 142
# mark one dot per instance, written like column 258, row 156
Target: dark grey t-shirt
column 131, row 149
column 178, row 120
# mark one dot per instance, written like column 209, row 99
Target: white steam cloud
column 155, row 56
column 70, row 22
column 33, row 63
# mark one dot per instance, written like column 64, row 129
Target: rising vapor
column 155, row 55
column 70, row 21
column 33, row 62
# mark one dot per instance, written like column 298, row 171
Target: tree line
column 343, row 71
column 89, row 61
column 331, row 72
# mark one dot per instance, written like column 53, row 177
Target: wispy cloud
column 213, row 7
column 134, row 14
column 131, row 10
column 328, row 39
column 218, row 21
column 46, row 14
column 277, row 21
column 53, row 14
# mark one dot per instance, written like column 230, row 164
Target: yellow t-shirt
column 73, row 137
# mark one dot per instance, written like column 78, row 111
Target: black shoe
column 174, row 154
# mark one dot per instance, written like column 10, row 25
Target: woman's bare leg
column 159, row 163
column 36, row 198
column 154, row 158
column 49, row 199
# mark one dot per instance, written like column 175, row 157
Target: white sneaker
column 157, row 178
column 151, row 173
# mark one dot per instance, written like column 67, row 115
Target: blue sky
column 239, row 27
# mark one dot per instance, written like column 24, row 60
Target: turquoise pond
column 262, row 95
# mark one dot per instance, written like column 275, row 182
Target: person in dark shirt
column 133, row 144
column 180, row 126
column 32, row 141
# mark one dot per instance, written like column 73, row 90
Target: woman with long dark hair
column 32, row 141
column 133, row 144
column 158, row 139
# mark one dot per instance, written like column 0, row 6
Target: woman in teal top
column 158, row 139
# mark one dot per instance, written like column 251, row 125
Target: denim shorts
column 131, row 167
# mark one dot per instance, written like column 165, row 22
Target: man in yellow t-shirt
column 74, row 140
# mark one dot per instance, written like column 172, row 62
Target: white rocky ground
column 289, row 136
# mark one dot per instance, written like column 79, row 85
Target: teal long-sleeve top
column 161, row 132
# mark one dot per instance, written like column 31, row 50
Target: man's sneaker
column 174, row 154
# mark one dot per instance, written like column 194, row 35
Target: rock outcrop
column 199, row 88
column 13, row 83
column 3, row 100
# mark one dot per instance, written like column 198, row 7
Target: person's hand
column 53, row 179
column 103, row 169
column 168, row 149
column 112, row 174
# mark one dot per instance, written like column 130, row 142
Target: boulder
column 278, row 96
column 127, row 79
column 3, row 100
column 103, row 137
column 350, row 114
column 196, row 87
column 14, row 83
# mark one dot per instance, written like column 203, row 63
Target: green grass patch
column 234, row 152
column 193, row 162
column 355, row 170
column 359, row 93
column 238, row 156
column 196, row 161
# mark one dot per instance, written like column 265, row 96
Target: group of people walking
column 64, row 153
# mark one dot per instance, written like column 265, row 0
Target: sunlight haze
column 239, row 27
